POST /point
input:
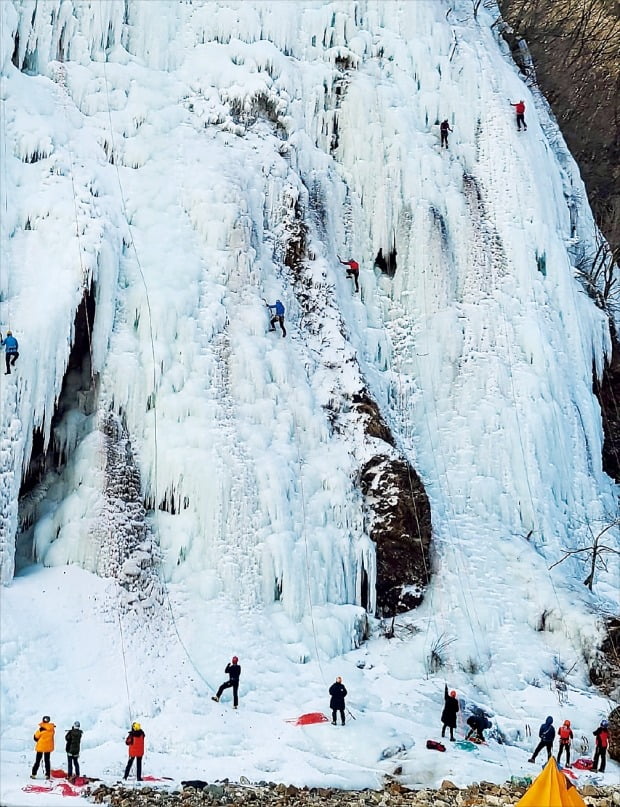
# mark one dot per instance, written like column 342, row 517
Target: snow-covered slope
column 163, row 174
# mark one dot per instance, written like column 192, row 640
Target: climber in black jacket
column 450, row 711
column 338, row 693
column 234, row 673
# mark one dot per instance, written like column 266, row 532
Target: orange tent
column 551, row 789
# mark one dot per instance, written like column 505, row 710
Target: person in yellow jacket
column 44, row 739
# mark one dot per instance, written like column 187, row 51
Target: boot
column 215, row 698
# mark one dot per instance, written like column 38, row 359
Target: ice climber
column 477, row 724
column 602, row 743
column 338, row 693
column 44, row 739
column 547, row 736
column 353, row 270
column 450, row 710
column 565, row 735
column 135, row 746
column 73, row 738
column 444, row 128
column 278, row 316
column 520, row 110
column 11, row 350
column 234, row 673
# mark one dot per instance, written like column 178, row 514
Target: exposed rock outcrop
column 484, row 794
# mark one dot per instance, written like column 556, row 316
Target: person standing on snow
column 353, row 270
column 444, row 128
column 602, row 743
column 278, row 316
column 44, row 739
column 73, row 738
column 565, row 735
column 11, row 350
column 520, row 110
column 338, row 693
column 450, row 711
column 547, row 736
column 135, row 745
column 234, row 673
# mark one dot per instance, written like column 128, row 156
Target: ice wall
column 161, row 156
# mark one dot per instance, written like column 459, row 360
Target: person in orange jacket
column 135, row 743
column 44, row 739
column 565, row 735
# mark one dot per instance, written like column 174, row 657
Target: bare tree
column 599, row 275
column 596, row 549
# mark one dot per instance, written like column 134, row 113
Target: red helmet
column 235, row 659
column 453, row 693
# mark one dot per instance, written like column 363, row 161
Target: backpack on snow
column 433, row 745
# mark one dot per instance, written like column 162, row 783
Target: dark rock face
column 398, row 516
column 605, row 671
column 614, row 729
column 608, row 394
column 401, row 530
column 374, row 424
column 574, row 46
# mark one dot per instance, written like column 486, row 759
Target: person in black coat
column 547, row 736
column 234, row 673
column 450, row 711
column 338, row 693
column 73, row 738
column 477, row 724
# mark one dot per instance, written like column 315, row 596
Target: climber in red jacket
column 135, row 746
column 520, row 110
column 353, row 270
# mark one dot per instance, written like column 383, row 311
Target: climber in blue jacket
column 11, row 350
column 278, row 316
column 547, row 736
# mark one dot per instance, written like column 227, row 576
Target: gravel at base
column 483, row 794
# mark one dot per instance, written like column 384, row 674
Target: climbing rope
column 306, row 550
column 427, row 572
column 158, row 564
column 62, row 82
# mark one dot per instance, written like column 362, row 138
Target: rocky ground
column 484, row 794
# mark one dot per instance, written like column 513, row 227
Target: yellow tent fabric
column 551, row 789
